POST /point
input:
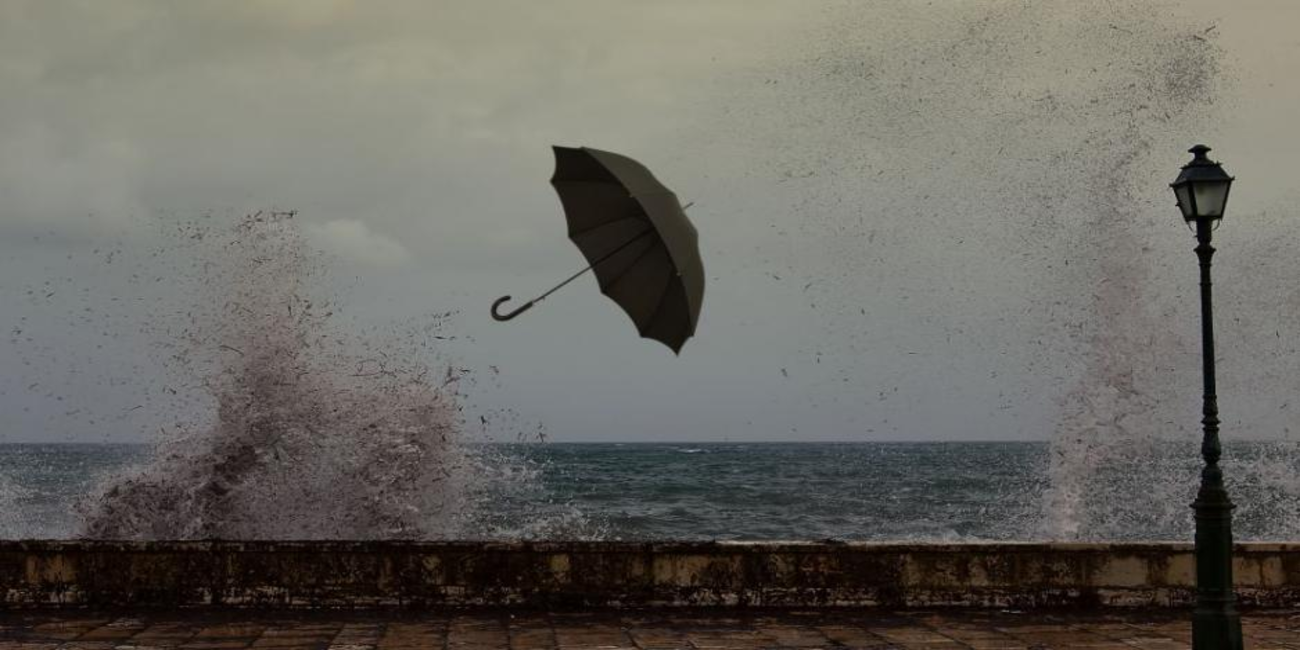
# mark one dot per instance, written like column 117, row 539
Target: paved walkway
column 643, row 630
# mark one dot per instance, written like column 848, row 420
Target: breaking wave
column 303, row 430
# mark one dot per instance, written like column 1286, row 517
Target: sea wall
column 625, row 574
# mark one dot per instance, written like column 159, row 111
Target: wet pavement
column 641, row 630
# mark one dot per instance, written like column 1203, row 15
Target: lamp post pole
column 1202, row 190
column 1216, row 624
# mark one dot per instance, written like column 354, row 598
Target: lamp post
column 1202, row 191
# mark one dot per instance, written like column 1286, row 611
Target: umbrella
column 637, row 239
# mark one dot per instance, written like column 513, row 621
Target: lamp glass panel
column 1183, row 192
column 1210, row 197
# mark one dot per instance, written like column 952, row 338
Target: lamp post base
column 1217, row 629
column 1216, row 625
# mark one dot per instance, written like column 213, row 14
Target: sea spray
column 14, row 522
column 298, row 429
column 982, row 191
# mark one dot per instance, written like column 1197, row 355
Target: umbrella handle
column 504, row 317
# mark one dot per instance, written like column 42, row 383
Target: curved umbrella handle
column 529, row 305
column 504, row 317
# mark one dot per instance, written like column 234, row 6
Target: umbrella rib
column 599, row 226
column 658, row 306
column 630, row 265
column 630, row 194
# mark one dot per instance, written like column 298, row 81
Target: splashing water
column 307, row 433
column 985, row 220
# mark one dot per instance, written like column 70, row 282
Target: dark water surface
column 800, row 491
column 810, row 491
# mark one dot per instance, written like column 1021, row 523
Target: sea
column 923, row 491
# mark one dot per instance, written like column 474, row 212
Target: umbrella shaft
column 604, row 257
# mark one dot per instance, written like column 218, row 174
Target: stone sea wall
column 625, row 574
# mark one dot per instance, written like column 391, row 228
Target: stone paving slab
column 627, row 630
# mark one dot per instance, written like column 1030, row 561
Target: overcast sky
column 886, row 197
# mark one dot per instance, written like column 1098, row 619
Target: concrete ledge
column 626, row 574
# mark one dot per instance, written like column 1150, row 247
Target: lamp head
column 1202, row 187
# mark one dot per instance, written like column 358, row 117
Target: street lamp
column 1202, row 191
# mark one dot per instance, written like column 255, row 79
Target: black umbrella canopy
column 635, row 234
column 643, row 250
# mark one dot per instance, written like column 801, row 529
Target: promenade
column 637, row 629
